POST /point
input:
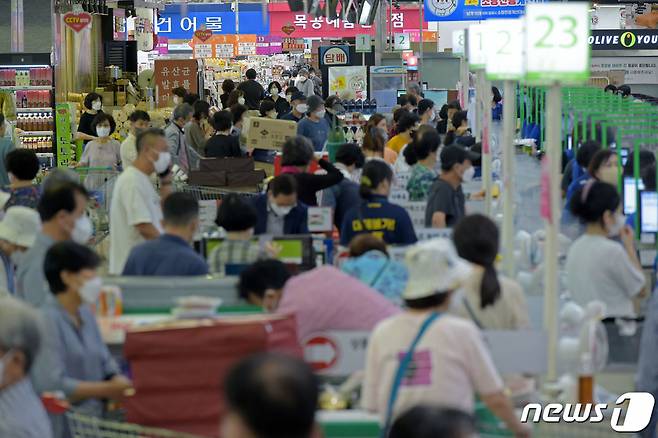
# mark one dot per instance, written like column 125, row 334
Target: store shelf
column 33, row 110
column 25, row 87
column 35, row 133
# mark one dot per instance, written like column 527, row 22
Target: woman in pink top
column 321, row 299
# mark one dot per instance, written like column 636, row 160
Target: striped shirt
column 21, row 413
column 233, row 252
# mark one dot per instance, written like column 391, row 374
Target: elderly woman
column 21, row 411
column 296, row 159
column 75, row 359
column 18, row 231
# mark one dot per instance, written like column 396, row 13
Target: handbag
column 401, row 371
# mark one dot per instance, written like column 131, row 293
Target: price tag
column 504, row 43
column 363, row 43
column 203, row 50
column 402, row 41
column 556, row 43
column 477, row 57
column 458, row 42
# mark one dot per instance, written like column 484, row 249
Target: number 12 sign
column 503, row 43
column 556, row 42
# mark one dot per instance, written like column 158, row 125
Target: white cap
column 434, row 266
column 20, row 226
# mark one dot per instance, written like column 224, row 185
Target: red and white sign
column 321, row 353
column 285, row 23
column 77, row 22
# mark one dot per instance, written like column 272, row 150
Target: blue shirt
column 165, row 256
column 387, row 221
column 31, row 284
column 341, row 198
column 375, row 269
column 317, row 132
column 22, row 414
column 71, row 355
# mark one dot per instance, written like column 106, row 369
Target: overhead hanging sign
column 77, row 22
column 401, row 41
column 217, row 18
column 465, row 10
column 624, row 39
column 335, row 55
column 171, row 73
column 458, row 42
column 503, row 41
column 477, row 57
column 363, row 43
column 557, row 47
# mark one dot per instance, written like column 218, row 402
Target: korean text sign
column 465, row 10
column 170, row 74
column 217, row 18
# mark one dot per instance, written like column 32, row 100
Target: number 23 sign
column 556, row 42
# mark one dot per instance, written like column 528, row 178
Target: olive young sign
column 620, row 39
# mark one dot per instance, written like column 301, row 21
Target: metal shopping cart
column 85, row 426
column 99, row 182
column 205, row 193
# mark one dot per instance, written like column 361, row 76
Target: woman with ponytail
column 375, row 138
column 491, row 301
column 375, row 214
column 422, row 154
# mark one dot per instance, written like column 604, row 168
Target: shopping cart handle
column 53, row 404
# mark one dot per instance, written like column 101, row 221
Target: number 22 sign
column 503, row 43
column 556, row 44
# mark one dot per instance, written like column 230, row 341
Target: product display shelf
column 36, row 134
column 25, row 87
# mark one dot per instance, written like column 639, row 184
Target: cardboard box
column 265, row 133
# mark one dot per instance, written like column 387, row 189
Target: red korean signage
column 288, row 24
column 170, row 74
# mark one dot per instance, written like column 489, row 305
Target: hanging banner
column 465, row 10
column 144, row 29
column 218, row 18
column 621, row 39
column 334, row 55
column 637, row 70
column 170, row 73
column 348, row 82
column 77, row 22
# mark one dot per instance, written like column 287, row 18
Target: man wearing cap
column 449, row 360
column 314, row 126
column 304, row 84
column 333, row 107
column 299, row 107
column 446, row 201
column 18, row 231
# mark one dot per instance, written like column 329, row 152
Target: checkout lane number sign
column 477, row 57
column 557, row 47
column 503, row 43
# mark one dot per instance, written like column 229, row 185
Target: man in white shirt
column 136, row 208
column 139, row 120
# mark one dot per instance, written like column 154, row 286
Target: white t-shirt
column 134, row 201
column 451, row 364
column 598, row 268
column 128, row 151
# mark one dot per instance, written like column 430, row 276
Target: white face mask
column 103, row 131
column 83, row 230
column 241, row 100
column 302, row 108
column 302, row 79
column 280, row 211
column 272, row 115
column 468, row 174
column 176, row 100
column 96, row 105
column 288, row 97
column 432, row 116
column 3, row 364
column 91, row 290
column 320, row 114
column 615, row 229
column 162, row 163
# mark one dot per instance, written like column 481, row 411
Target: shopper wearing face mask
column 171, row 254
column 299, row 107
column 426, row 112
column 281, row 104
column 599, row 268
column 279, row 211
column 93, row 105
column 178, row 147
column 177, row 95
column 236, row 97
column 139, row 120
column 21, row 412
column 195, row 129
column 103, row 152
column 314, row 126
column 135, row 211
column 267, row 109
column 446, row 202
column 304, row 84
column 74, row 359
column 22, row 166
column 222, row 144
column 422, row 156
column 62, row 209
column 18, row 231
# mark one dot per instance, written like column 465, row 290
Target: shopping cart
column 204, row 193
column 86, row 426
column 99, row 182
